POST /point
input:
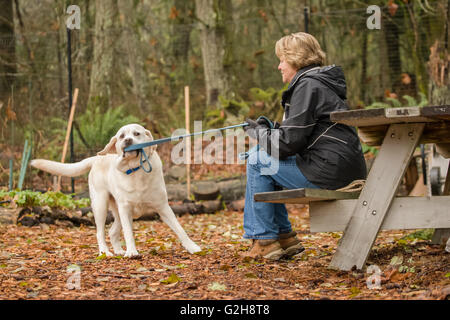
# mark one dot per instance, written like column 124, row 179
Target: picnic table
column 361, row 215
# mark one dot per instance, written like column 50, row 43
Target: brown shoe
column 290, row 243
column 268, row 249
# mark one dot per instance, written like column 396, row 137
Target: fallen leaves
column 34, row 263
column 173, row 278
column 216, row 286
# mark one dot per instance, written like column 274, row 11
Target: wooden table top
column 373, row 124
column 384, row 116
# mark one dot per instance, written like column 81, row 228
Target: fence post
column 305, row 12
column 69, row 69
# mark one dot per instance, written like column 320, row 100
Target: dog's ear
column 152, row 148
column 149, row 134
column 109, row 148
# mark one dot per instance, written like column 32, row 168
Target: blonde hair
column 300, row 50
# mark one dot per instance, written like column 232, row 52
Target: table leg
column 441, row 236
column 376, row 197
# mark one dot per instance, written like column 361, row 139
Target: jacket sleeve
column 293, row 134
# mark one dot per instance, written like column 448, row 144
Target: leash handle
column 144, row 158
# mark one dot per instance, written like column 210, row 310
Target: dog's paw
column 131, row 254
column 193, row 248
column 106, row 252
column 120, row 252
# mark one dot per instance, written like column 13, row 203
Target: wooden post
column 188, row 142
column 69, row 129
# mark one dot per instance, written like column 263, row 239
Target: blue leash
column 144, row 158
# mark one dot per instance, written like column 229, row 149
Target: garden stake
column 11, row 172
column 68, row 133
column 23, row 167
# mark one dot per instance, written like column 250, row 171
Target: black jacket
column 328, row 154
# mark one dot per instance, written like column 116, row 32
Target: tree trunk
column 7, row 49
column 181, row 32
column 136, row 60
column 102, row 73
column 439, row 69
column 215, row 17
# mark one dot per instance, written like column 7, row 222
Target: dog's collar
column 130, row 171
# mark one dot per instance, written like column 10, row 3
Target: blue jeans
column 263, row 220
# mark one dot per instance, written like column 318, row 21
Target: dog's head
column 126, row 136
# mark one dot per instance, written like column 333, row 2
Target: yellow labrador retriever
column 115, row 182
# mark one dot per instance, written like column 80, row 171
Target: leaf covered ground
column 57, row 262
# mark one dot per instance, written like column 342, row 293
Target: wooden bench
column 361, row 216
column 304, row 196
column 330, row 211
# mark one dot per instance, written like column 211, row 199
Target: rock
column 8, row 216
column 85, row 211
column 232, row 189
column 237, row 205
column 47, row 220
column 176, row 192
column 196, row 208
column 180, row 209
column 27, row 218
column 64, row 223
column 28, row 221
column 445, row 293
column 205, row 190
column 176, row 174
column 211, row 206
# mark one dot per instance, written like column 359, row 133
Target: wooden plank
column 437, row 112
column 435, row 132
column 303, row 196
column 377, row 195
column 380, row 116
column 405, row 213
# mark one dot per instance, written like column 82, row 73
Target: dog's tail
column 64, row 169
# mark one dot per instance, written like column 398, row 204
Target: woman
column 307, row 149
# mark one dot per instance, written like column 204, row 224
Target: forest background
column 132, row 59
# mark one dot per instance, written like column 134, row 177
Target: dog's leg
column 126, row 219
column 114, row 231
column 99, row 204
column 169, row 218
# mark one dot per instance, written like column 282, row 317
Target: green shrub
column 28, row 198
column 396, row 103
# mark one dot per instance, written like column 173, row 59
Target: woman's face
column 287, row 71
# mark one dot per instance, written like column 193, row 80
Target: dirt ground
column 57, row 262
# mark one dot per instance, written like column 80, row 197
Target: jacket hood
column 332, row 77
